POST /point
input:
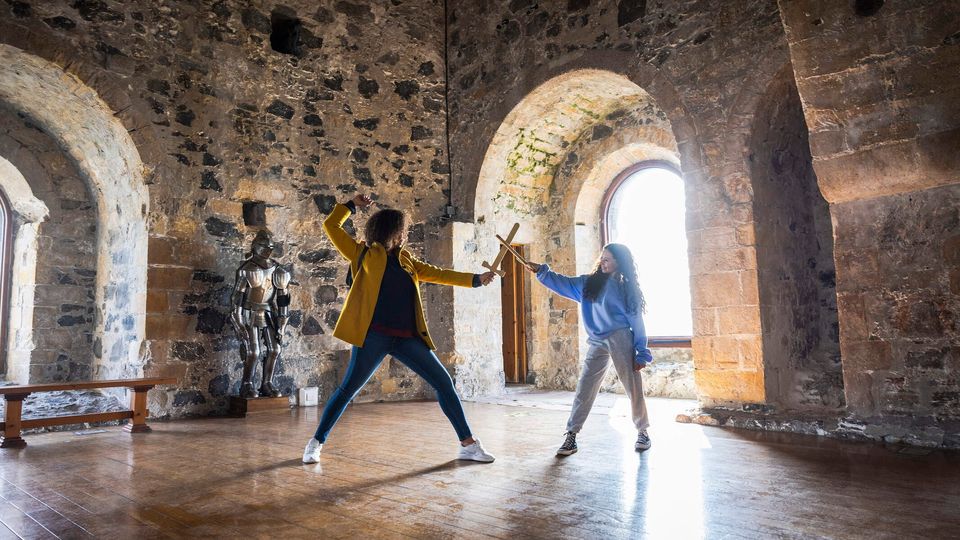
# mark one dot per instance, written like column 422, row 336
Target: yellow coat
column 357, row 312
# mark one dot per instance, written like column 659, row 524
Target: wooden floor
column 388, row 472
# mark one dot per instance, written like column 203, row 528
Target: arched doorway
column 86, row 130
column 548, row 167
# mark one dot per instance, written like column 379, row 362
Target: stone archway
column 637, row 133
column 27, row 214
column 85, row 128
column 557, row 143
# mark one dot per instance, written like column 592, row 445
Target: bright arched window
column 6, row 248
column 645, row 210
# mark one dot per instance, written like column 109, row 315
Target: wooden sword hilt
column 513, row 252
column 495, row 267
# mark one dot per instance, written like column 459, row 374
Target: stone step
column 517, row 388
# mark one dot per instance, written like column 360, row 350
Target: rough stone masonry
column 816, row 140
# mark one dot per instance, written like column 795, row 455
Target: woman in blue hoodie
column 611, row 310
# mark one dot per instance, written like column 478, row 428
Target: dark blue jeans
column 414, row 354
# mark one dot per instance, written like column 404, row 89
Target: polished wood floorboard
column 388, row 472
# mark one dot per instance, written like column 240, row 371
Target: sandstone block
column 726, row 351
column 703, row 355
column 157, row 301
column 751, row 352
column 161, row 250
column 705, row 321
column 739, row 320
column 169, row 326
column 730, row 385
column 715, row 290
column 169, row 278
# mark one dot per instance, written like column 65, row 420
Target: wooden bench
column 14, row 396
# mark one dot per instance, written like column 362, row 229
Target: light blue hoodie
column 602, row 316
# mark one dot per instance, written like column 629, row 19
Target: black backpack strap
column 363, row 254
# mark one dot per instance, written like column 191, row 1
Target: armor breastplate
column 260, row 290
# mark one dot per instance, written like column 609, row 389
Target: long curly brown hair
column 385, row 225
column 626, row 276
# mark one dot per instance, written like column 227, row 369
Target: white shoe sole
column 477, row 459
column 309, row 459
column 567, row 452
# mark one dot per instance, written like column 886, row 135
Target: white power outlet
column 308, row 397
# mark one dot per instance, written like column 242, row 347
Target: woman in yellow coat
column 383, row 314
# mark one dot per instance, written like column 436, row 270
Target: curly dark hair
column 384, row 225
column 626, row 276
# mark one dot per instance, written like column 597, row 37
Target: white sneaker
column 475, row 452
column 311, row 454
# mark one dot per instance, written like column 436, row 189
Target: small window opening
column 285, row 33
column 6, row 271
column 255, row 214
column 867, row 8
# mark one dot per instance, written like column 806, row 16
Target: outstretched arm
column 429, row 273
column 566, row 286
column 333, row 227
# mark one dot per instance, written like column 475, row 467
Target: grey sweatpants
column 619, row 346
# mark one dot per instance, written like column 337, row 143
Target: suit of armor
column 260, row 310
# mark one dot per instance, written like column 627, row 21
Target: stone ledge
column 925, row 432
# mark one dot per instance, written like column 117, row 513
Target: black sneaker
column 643, row 441
column 569, row 445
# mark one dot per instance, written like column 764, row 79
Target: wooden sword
column 507, row 245
column 495, row 267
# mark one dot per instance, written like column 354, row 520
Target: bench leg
column 138, row 403
column 11, row 430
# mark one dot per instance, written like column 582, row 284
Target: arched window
column 6, row 249
column 644, row 208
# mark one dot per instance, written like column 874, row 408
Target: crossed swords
column 504, row 248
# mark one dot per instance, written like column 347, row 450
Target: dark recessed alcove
column 285, row 32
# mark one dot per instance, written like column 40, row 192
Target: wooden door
column 513, row 302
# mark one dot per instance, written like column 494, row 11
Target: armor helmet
column 263, row 245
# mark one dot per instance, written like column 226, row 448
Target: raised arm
column 566, row 286
column 333, row 227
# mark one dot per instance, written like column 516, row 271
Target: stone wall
column 798, row 301
column 224, row 123
column 884, row 128
column 240, row 124
column 705, row 66
column 897, row 283
column 670, row 375
column 883, row 118
column 63, row 313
